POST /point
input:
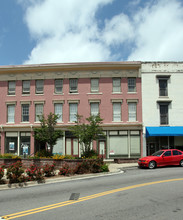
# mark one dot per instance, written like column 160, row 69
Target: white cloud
column 118, row 30
column 65, row 32
column 159, row 32
column 69, row 31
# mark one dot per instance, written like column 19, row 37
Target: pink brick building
column 112, row 89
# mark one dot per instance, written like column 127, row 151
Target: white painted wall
column 150, row 93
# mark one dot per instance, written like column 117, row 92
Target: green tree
column 47, row 132
column 87, row 132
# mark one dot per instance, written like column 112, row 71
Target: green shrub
column 34, row 173
column 69, row 157
column 43, row 154
column 9, row 156
column 58, row 157
column 65, row 170
column 15, row 173
column 1, row 174
column 105, row 168
column 48, row 170
column 89, row 154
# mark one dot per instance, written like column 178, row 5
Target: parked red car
column 162, row 158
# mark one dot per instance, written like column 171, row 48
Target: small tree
column 87, row 132
column 47, row 133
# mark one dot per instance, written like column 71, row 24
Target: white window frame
column 59, row 111
column 73, row 85
column 58, row 86
column 116, row 111
column 39, row 109
column 11, row 87
column 11, row 113
column 116, row 85
column 26, row 87
column 39, row 86
column 132, row 111
column 94, row 108
column 131, row 84
column 95, row 85
column 73, row 110
column 25, row 112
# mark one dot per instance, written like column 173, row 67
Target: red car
column 162, row 158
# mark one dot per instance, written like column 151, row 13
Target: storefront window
column 25, row 143
column 11, row 145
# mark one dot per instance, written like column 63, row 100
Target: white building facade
column 162, row 105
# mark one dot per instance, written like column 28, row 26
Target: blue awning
column 164, row 131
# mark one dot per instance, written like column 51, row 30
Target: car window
column 167, row 153
column 158, row 153
column 176, row 152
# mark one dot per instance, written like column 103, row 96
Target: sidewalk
column 113, row 169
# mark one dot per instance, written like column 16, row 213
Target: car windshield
column 158, row 153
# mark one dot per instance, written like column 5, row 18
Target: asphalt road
column 135, row 194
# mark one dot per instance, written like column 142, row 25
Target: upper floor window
column 132, row 111
column 94, row 108
column 73, row 85
column 131, row 84
column 58, row 111
column 39, row 86
column 164, row 113
column 26, row 87
column 94, row 85
column 38, row 111
column 116, row 84
column 11, row 113
column 73, row 109
column 163, row 89
column 11, row 87
column 25, row 112
column 116, row 111
column 58, row 86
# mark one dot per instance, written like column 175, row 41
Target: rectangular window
column 58, row 111
column 117, row 111
column 38, row 111
column 164, row 114
column 94, row 107
column 94, row 85
column 163, row 90
column 73, row 109
column 132, row 111
column 116, row 84
column 39, row 86
column 11, row 87
column 58, row 86
column 73, row 85
column 26, row 87
column 11, row 113
column 25, row 112
column 131, row 84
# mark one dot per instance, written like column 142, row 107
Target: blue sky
column 59, row 31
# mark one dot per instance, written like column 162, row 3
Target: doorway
column 72, row 147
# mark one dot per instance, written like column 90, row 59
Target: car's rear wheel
column 152, row 164
column 181, row 163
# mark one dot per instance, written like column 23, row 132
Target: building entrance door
column 102, row 149
column 72, row 146
column 151, row 148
